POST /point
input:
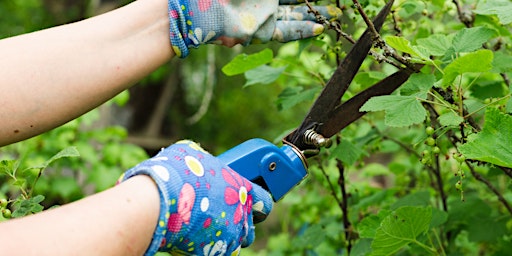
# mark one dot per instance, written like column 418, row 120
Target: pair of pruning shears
column 279, row 169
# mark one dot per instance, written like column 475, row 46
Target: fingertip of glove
column 318, row 29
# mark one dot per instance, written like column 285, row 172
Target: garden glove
column 205, row 207
column 196, row 22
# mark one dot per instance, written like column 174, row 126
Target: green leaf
column 263, row 75
column 418, row 85
column 400, row 110
column 500, row 8
column 28, row 206
column 419, row 198
column 369, row 225
column 8, row 167
column 401, row 44
column 479, row 61
column 244, row 62
column 471, row 39
column 347, row 152
column 492, row 144
column 67, row 152
column 401, row 228
column 439, row 217
column 450, row 119
column 292, row 96
column 502, row 63
column 312, row 237
column 436, row 44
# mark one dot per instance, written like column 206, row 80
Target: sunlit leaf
column 501, row 8
column 245, row 62
column 479, row 61
column 471, row 39
column 263, row 75
column 492, row 144
column 400, row 228
column 400, row 110
column 450, row 119
column 436, row 44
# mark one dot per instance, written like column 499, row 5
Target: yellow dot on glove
column 194, row 165
column 249, row 23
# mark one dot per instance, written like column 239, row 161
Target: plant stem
column 344, row 205
column 490, row 186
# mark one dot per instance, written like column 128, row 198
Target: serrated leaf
column 244, row 62
column 419, row 198
column 401, row 44
column 501, row 63
column 292, row 96
column 492, row 144
column 401, row 228
column 471, row 39
column 478, row 61
column 400, row 110
column 369, row 225
column 8, row 166
column 347, row 152
column 450, row 119
column 312, row 237
column 263, row 75
column 439, row 217
column 418, row 85
column 502, row 9
column 67, row 152
column 436, row 44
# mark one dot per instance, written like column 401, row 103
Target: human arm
column 193, row 203
column 55, row 75
column 117, row 221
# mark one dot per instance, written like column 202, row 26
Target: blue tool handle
column 276, row 169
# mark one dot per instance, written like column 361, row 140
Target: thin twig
column 369, row 23
column 490, row 186
column 464, row 17
column 344, row 206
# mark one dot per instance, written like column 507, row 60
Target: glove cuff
column 178, row 27
column 167, row 182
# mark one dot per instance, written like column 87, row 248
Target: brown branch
column 465, row 17
column 369, row 23
column 349, row 234
column 490, row 186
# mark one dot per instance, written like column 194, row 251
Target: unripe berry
column 3, row 203
column 430, row 141
column 429, row 130
column 6, row 213
column 458, row 185
column 436, row 150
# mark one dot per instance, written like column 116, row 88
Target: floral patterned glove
column 196, row 22
column 205, row 207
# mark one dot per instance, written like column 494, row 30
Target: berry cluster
column 3, row 208
column 433, row 150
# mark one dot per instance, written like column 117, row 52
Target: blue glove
column 205, row 207
column 196, row 22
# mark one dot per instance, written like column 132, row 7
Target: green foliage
column 492, row 144
column 417, row 175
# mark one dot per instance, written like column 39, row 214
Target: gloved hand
column 196, row 22
column 205, row 207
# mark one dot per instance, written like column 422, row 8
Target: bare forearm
column 118, row 221
column 52, row 76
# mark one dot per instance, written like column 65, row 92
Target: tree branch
column 490, row 186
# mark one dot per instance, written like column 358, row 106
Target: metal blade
column 349, row 112
column 330, row 97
